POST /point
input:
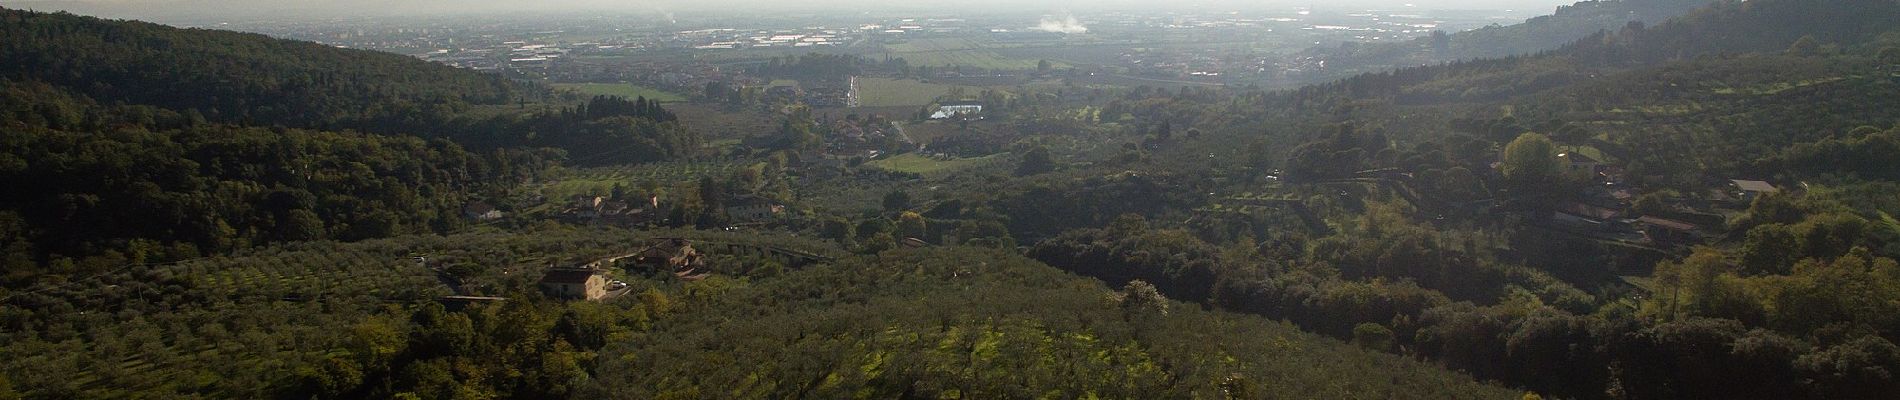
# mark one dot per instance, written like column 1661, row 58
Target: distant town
column 1268, row 48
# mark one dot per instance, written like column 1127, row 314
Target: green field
column 626, row 90
column 958, row 51
column 924, row 165
column 886, row 92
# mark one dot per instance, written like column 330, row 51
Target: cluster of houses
column 1604, row 210
column 840, row 94
column 589, row 208
column 590, row 281
column 866, row 137
column 819, row 94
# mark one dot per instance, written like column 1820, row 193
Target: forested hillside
column 1559, row 28
column 238, row 78
column 1535, row 35
column 128, row 142
column 1451, row 195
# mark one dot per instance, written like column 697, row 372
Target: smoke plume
column 1067, row 24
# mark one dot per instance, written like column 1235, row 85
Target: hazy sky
column 159, row 9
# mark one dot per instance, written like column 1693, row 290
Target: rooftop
column 1668, row 223
column 1754, row 186
column 1585, row 210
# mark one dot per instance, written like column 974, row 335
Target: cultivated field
column 927, row 165
column 938, row 52
column 887, row 92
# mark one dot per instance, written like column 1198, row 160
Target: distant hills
column 1538, row 34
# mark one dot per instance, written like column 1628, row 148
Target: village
column 647, row 49
column 1610, row 209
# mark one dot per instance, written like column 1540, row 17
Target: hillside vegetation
column 237, row 78
column 130, row 142
column 1701, row 207
column 358, row 320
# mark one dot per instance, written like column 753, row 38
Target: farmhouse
column 587, row 206
column 481, row 211
column 574, row 283
column 670, row 252
column 1752, row 189
column 586, row 201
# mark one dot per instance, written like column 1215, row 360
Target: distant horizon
column 177, row 10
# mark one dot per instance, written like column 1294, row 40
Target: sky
column 162, row 9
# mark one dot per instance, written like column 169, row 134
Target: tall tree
column 1036, row 161
column 1531, row 165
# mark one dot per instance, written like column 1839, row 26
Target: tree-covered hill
column 1699, row 97
column 236, row 77
column 1399, row 202
column 130, row 142
column 253, row 80
column 1716, row 53
column 1566, row 24
column 1539, row 34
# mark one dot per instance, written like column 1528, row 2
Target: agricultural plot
column 957, row 52
column 206, row 326
column 720, row 123
column 932, row 166
column 928, row 132
column 1070, row 53
column 887, row 92
column 313, row 274
column 854, row 194
column 626, row 90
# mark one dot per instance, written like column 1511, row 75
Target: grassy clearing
column 626, row 90
column 718, row 122
column 1588, row 151
column 886, row 92
column 925, row 165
